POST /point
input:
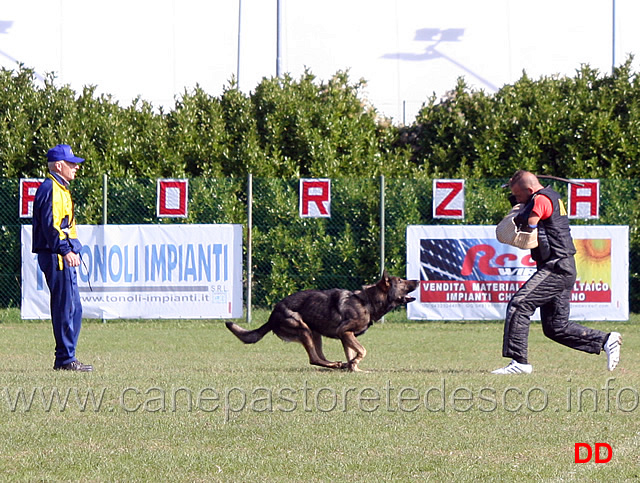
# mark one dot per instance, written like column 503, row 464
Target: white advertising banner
column 147, row 271
column 466, row 274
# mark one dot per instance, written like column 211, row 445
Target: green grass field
column 186, row 401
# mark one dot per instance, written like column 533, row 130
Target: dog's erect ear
column 385, row 282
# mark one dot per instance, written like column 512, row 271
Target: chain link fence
column 365, row 233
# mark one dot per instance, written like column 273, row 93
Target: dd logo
column 579, row 458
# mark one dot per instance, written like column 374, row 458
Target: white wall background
column 407, row 50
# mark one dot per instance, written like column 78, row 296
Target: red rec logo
column 585, row 456
column 488, row 263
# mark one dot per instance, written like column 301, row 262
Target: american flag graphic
column 442, row 259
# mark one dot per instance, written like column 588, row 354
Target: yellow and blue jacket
column 54, row 226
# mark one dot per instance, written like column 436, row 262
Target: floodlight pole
column 278, row 43
column 613, row 37
column 238, row 53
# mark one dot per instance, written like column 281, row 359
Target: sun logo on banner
column 593, row 260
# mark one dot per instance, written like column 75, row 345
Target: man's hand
column 72, row 259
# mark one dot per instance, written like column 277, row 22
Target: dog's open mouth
column 404, row 300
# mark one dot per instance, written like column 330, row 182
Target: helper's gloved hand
column 512, row 200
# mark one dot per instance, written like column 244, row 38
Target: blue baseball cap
column 62, row 152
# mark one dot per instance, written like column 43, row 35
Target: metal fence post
column 382, row 225
column 104, row 198
column 105, row 187
column 249, row 242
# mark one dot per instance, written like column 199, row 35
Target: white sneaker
column 612, row 348
column 514, row 368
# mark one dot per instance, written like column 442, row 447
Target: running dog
column 335, row 313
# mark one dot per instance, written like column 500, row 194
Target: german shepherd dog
column 336, row 313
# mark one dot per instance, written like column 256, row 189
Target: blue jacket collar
column 59, row 179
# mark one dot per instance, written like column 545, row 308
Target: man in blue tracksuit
column 56, row 243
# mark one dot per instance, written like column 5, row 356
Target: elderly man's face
column 67, row 170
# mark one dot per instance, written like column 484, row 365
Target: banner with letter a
column 148, row 272
column 466, row 274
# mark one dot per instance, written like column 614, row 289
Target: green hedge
column 586, row 126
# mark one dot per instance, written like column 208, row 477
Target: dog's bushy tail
column 249, row 336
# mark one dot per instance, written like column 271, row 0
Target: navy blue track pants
column 550, row 290
column 66, row 308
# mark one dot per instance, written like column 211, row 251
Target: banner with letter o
column 148, row 272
